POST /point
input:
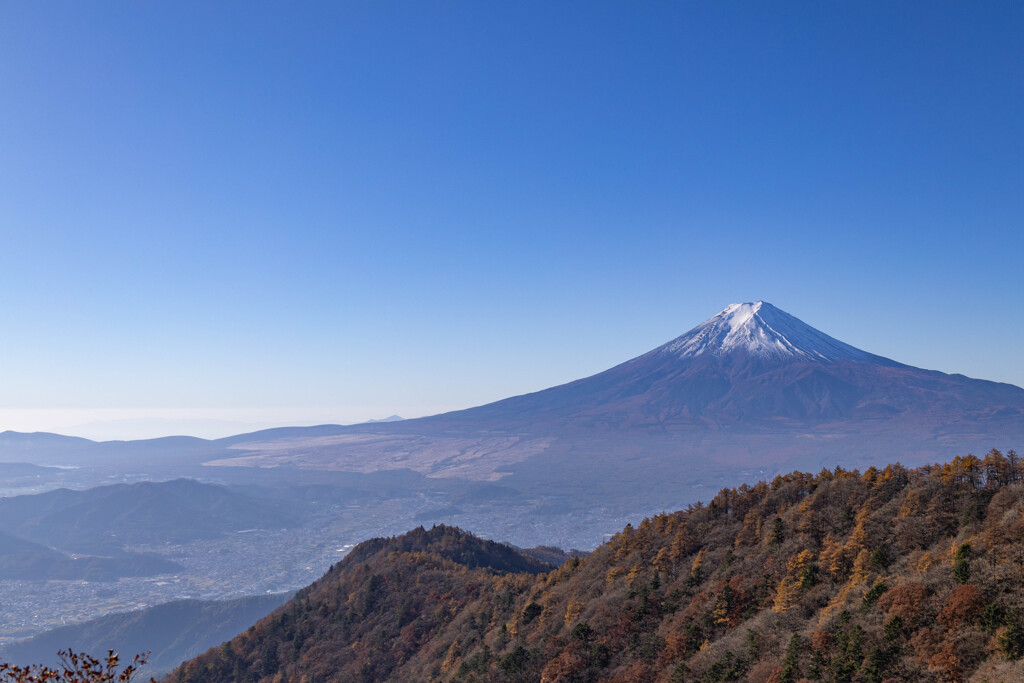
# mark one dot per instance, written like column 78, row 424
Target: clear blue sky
column 303, row 212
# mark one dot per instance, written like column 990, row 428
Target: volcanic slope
column 751, row 391
column 756, row 366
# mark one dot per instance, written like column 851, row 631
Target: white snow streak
column 761, row 330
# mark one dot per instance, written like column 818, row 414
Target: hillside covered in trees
column 887, row 575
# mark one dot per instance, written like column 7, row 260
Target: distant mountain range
column 103, row 520
column 24, row 470
column 23, row 560
column 750, row 391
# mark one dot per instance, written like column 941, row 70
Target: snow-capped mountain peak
column 764, row 331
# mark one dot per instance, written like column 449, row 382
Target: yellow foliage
column 956, row 547
column 833, row 557
column 572, row 611
column 452, row 658
column 911, row 504
column 751, row 530
column 662, row 561
column 680, row 545
column 837, row 603
column 721, row 613
column 870, row 476
column 698, row 562
column 924, row 562
column 796, row 563
column 859, row 537
column 861, row 569
column 786, row 595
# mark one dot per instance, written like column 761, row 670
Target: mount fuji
column 760, row 330
column 754, row 366
column 751, row 389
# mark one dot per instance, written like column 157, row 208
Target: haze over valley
column 751, row 393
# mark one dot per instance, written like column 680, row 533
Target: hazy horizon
column 112, row 425
column 141, row 423
column 343, row 211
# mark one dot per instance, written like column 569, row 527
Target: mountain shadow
column 171, row 633
column 22, row 560
column 104, row 519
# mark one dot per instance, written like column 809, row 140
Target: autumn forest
column 885, row 575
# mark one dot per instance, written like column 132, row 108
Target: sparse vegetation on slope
column 75, row 667
column 887, row 575
column 172, row 632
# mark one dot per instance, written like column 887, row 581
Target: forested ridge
column 890, row 574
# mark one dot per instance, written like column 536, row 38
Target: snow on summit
column 762, row 330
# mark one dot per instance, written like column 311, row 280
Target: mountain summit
column 752, row 385
column 764, row 331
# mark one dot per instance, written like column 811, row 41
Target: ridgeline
column 887, row 575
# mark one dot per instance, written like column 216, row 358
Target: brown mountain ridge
column 888, row 575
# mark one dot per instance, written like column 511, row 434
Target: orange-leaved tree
column 75, row 667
